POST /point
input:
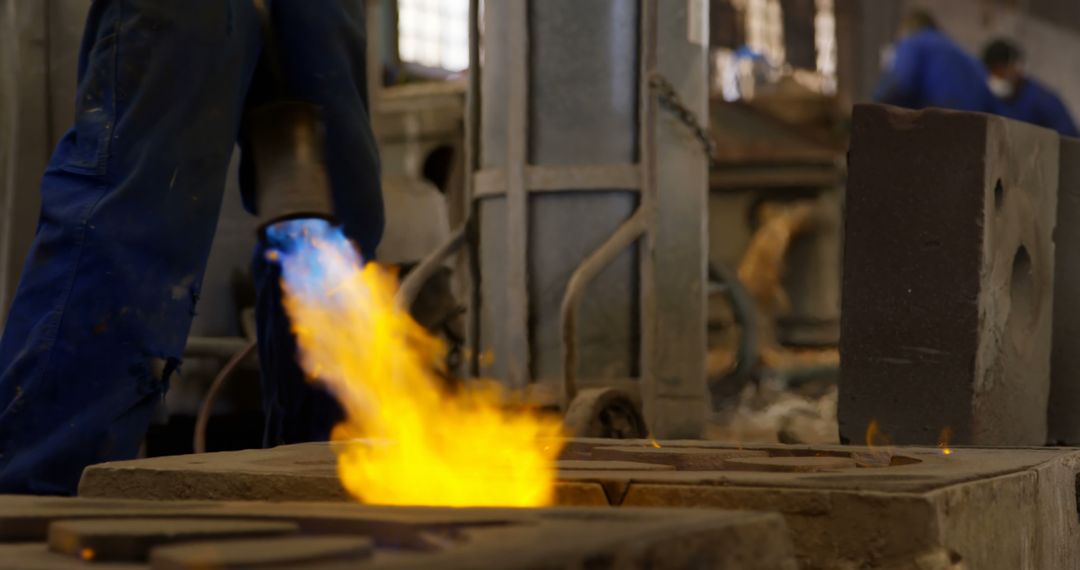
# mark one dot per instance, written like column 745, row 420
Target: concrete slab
column 878, row 508
column 682, row 459
column 790, row 464
column 321, row 552
column 132, row 539
column 948, row 277
column 385, row 537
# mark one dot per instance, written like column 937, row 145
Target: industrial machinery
column 586, row 196
column 585, row 89
column 775, row 229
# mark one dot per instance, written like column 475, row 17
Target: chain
column 670, row 101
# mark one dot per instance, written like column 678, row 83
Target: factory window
column 825, row 40
column 434, row 33
column 783, row 38
column 765, row 29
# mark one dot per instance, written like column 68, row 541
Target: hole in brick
column 1022, row 288
column 999, row 195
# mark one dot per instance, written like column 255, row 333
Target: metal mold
column 860, row 507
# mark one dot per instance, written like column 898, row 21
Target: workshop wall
column 1050, row 45
column 39, row 44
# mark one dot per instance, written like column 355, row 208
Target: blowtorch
column 286, row 140
column 290, row 190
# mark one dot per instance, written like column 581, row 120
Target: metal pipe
column 472, row 159
column 649, row 58
column 214, row 347
column 207, row 408
column 411, row 286
column 639, row 225
column 519, row 346
column 629, row 232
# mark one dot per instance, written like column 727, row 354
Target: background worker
column 1019, row 95
column 130, row 201
column 928, row 69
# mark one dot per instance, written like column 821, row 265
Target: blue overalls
column 930, row 70
column 130, row 201
column 1036, row 104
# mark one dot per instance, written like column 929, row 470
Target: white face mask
column 1003, row 88
column 888, row 57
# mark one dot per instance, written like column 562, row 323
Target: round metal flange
column 726, row 389
column 606, row 413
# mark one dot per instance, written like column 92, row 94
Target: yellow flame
column 87, row 554
column 943, row 441
column 875, row 437
column 407, row 439
column 655, row 444
column 879, row 444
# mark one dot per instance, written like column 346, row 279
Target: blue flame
column 314, row 254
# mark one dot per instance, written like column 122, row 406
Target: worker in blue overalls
column 1019, row 95
column 130, row 200
column 928, row 69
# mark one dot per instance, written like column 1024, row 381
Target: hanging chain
column 670, row 101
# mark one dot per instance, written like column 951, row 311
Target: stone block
column 910, row 508
column 344, row 535
column 848, row 507
column 681, row 459
column 323, row 552
column 132, row 539
column 1065, row 362
column 948, row 277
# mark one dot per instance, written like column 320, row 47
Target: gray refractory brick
column 948, row 278
column 1065, row 361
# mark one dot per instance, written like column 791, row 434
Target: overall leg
column 323, row 50
column 130, row 202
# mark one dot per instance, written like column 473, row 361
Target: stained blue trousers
column 130, row 200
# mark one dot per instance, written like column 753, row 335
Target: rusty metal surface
column 309, row 471
column 993, row 509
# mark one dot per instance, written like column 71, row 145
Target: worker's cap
column 1002, row 52
column 920, row 19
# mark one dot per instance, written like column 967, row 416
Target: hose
column 203, row 419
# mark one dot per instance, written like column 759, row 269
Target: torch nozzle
column 286, row 140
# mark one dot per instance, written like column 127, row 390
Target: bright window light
column 434, row 33
column 825, row 34
column 765, row 29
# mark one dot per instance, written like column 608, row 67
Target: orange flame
column 879, row 445
column 407, row 439
column 875, row 437
column 943, row 441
